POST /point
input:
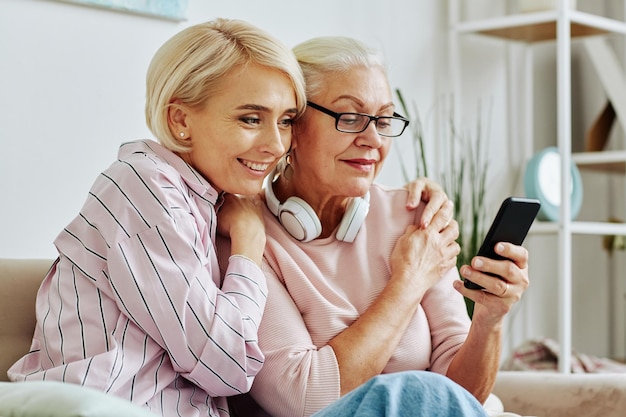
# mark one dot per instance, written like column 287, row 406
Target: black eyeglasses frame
column 375, row 119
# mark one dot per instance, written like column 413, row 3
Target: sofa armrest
column 552, row 394
column 19, row 281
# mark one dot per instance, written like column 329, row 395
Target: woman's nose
column 370, row 136
column 277, row 140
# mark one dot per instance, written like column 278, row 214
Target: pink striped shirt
column 318, row 289
column 135, row 305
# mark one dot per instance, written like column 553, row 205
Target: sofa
column 536, row 393
column 19, row 282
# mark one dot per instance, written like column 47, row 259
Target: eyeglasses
column 390, row 126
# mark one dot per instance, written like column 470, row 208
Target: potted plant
column 463, row 176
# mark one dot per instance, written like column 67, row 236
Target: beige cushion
column 19, row 282
column 553, row 394
column 58, row 399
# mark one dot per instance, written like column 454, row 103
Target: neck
column 329, row 209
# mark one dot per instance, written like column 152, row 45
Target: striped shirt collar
column 194, row 180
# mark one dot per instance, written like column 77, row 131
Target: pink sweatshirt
column 136, row 306
column 318, row 289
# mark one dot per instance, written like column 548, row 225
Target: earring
column 288, row 171
column 181, row 134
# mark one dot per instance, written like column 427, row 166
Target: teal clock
column 542, row 180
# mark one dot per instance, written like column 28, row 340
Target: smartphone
column 511, row 224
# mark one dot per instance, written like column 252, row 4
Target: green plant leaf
column 464, row 177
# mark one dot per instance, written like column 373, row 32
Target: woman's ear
column 177, row 121
column 295, row 133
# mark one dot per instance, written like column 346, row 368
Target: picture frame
column 175, row 10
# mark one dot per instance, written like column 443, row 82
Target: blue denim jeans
column 406, row 394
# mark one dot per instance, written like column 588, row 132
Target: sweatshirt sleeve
column 297, row 378
column 449, row 322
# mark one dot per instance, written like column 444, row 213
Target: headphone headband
column 301, row 221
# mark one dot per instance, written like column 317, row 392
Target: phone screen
column 511, row 224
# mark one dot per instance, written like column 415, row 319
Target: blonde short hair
column 327, row 54
column 190, row 66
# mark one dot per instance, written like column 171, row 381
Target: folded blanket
column 543, row 355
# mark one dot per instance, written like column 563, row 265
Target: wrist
column 249, row 244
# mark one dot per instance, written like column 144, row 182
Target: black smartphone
column 511, row 224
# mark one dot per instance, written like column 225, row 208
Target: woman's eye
column 350, row 120
column 286, row 123
column 250, row 120
column 383, row 124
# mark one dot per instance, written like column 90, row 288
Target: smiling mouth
column 361, row 161
column 255, row 166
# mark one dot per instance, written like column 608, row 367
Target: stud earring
column 181, row 134
column 288, row 172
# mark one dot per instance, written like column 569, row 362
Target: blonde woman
column 135, row 306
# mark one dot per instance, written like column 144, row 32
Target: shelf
column 605, row 161
column 563, row 26
column 540, row 26
column 580, row 228
column 598, row 228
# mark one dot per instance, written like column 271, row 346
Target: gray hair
column 327, row 54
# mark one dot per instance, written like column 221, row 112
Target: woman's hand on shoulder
column 423, row 255
column 428, row 191
column 241, row 219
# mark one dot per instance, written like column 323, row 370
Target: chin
column 245, row 189
column 360, row 189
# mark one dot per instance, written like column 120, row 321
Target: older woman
column 356, row 289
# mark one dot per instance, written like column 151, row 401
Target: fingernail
column 478, row 263
column 465, row 271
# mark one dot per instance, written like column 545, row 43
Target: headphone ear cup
column 353, row 218
column 299, row 219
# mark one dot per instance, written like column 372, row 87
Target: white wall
column 72, row 89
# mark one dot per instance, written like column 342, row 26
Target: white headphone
column 299, row 219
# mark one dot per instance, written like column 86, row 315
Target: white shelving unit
column 559, row 25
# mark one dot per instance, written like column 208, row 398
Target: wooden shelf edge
column 579, row 228
column 541, row 26
column 608, row 168
column 539, row 32
column 601, row 161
